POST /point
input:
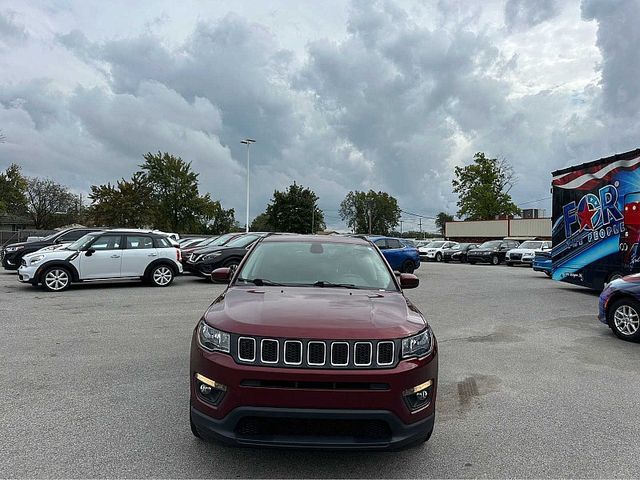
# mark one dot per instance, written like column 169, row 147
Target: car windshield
column 53, row 235
column 317, row 264
column 242, row 241
column 81, row 242
column 435, row 244
column 455, row 247
column 491, row 244
column 222, row 239
column 531, row 244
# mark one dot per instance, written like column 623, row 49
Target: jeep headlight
column 213, row 339
column 418, row 345
column 211, row 255
column 36, row 259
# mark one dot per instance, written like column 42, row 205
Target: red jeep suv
column 313, row 344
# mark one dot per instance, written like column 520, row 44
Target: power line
column 535, row 201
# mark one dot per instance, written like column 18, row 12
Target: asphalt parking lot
column 95, row 384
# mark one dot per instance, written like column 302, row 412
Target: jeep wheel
column 438, row 257
column 408, row 267
column 161, row 276
column 624, row 319
column 495, row 260
column 56, row 279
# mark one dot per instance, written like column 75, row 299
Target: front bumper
column 27, row 274
column 301, row 393
column 479, row 258
column 10, row 261
column 199, row 269
column 399, row 434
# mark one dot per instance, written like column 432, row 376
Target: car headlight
column 36, row 259
column 213, row 339
column 14, row 249
column 418, row 345
column 211, row 255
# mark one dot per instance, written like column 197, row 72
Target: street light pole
column 247, row 142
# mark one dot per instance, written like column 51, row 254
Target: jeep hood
column 314, row 312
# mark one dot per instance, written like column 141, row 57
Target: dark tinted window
column 107, row 242
column 163, row 243
column 394, row 243
column 381, row 243
column 139, row 241
column 72, row 236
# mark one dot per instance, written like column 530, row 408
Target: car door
column 102, row 259
column 137, row 254
column 395, row 253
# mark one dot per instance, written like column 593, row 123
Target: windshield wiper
column 322, row 283
column 261, row 281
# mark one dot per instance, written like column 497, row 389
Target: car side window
column 393, row 243
column 162, row 243
column 381, row 243
column 107, row 242
column 139, row 242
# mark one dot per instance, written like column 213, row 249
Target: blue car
column 542, row 263
column 401, row 257
column 619, row 307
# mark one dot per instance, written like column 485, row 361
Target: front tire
column 161, row 276
column 408, row 267
column 624, row 319
column 56, row 279
column 495, row 260
column 438, row 257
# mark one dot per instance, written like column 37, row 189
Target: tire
column 438, row 257
column 495, row 260
column 463, row 259
column 161, row 275
column 56, row 279
column 472, row 262
column 445, row 260
column 509, row 264
column 408, row 267
column 623, row 317
column 548, row 274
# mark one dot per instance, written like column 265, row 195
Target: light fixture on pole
column 247, row 142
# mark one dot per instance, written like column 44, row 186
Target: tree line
column 164, row 194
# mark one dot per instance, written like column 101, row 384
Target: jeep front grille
column 333, row 354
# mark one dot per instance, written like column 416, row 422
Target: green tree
column 13, row 191
column 441, row 220
column 128, row 203
column 49, row 204
column 262, row 223
column 295, row 210
column 375, row 212
column 483, row 188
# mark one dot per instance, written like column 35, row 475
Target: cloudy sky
column 340, row 95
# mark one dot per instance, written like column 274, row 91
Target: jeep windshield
column 491, row 244
column 316, row 264
column 531, row 245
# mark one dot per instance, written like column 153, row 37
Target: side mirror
column 409, row 280
column 221, row 275
column 90, row 252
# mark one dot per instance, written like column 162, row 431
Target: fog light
column 418, row 397
column 210, row 390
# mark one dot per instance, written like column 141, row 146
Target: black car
column 12, row 254
column 458, row 253
column 203, row 261
column 493, row 252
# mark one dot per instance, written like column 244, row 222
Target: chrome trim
column 339, row 364
column 355, row 351
column 393, row 354
column 254, row 349
column 284, row 358
column 324, row 358
column 262, row 350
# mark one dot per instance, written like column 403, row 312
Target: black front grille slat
column 269, row 351
column 317, row 352
column 361, row 430
column 362, row 353
column 336, row 354
column 385, row 353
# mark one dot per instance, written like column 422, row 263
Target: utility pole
column 313, row 217
column 420, row 223
column 247, row 142
column 369, row 213
column 400, row 227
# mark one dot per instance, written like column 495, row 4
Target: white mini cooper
column 108, row 255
